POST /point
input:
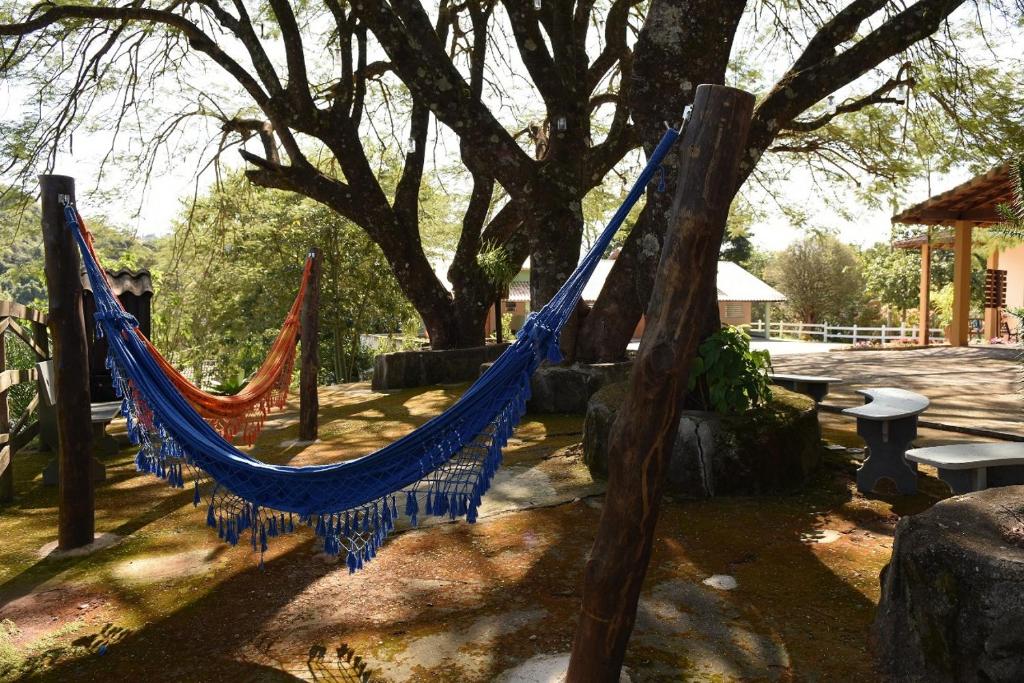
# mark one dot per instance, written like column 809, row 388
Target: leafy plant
column 497, row 265
column 1012, row 213
column 230, row 382
column 942, row 303
column 727, row 377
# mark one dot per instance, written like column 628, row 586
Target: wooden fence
column 16, row 434
column 842, row 334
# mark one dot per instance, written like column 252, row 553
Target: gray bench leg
column 981, row 478
column 815, row 390
column 887, row 443
column 965, row 481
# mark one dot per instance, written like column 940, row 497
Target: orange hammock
column 243, row 413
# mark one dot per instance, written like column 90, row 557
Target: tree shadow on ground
column 815, row 597
column 197, row 641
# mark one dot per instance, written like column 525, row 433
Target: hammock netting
column 442, row 468
column 242, row 414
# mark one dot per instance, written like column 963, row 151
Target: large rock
column 407, row 369
column 773, row 448
column 952, row 604
column 567, row 389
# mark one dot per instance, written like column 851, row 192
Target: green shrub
column 727, row 377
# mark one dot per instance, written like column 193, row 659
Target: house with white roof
column 738, row 291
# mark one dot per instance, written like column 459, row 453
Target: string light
column 561, row 124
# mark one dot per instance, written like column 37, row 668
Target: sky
column 151, row 210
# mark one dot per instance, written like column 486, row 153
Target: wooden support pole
column 6, row 447
column 961, row 283
column 643, row 434
column 993, row 315
column 924, row 295
column 71, row 366
column 309, row 403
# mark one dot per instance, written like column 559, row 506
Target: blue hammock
column 443, row 468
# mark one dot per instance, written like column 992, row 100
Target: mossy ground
column 450, row 602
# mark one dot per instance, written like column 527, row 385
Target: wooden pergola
column 961, row 209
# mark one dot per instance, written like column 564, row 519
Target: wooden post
column 309, row 403
column 924, row 295
column 71, row 366
column 993, row 316
column 961, row 283
column 643, row 434
column 6, row 443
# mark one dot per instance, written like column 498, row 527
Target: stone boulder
column 952, row 602
column 408, row 369
column 568, row 388
column 773, row 448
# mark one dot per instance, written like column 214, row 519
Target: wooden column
column 309, row 402
column 71, row 366
column 961, row 283
column 643, row 434
column 924, row 304
column 993, row 316
column 6, row 443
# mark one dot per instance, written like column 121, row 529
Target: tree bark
column 664, row 70
column 553, row 259
column 71, row 366
column 645, row 429
column 309, row 402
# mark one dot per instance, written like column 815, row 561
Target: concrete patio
column 973, row 387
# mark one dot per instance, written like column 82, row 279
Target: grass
column 171, row 602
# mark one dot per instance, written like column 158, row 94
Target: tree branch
column 877, row 96
column 422, row 64
column 820, row 71
column 198, row 40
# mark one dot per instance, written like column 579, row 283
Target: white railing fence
column 841, row 334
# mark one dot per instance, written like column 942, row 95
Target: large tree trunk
column 666, row 66
column 553, row 259
column 645, row 429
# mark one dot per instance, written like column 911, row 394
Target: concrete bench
column 101, row 415
column 888, row 424
column 810, row 385
column 970, row 467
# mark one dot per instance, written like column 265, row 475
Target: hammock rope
column 442, row 468
column 242, row 414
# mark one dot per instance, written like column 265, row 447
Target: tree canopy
column 821, row 278
column 525, row 106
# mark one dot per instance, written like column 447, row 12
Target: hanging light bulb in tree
column 412, row 145
column 561, row 124
column 537, row 4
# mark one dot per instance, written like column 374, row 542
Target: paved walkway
column 791, row 347
column 976, row 387
column 777, row 347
